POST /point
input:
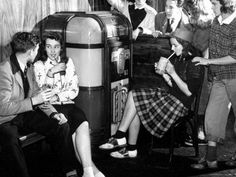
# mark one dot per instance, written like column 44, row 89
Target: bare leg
column 82, row 146
column 129, row 113
column 134, row 130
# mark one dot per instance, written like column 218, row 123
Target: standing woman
column 58, row 72
column 139, row 13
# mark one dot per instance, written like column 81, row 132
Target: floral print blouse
column 65, row 86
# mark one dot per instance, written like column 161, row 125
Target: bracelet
column 52, row 115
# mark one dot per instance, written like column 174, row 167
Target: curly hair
column 23, row 41
column 228, row 6
column 201, row 12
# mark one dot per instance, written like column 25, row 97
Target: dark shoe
column 232, row 161
column 188, row 141
column 124, row 153
column 204, row 164
column 113, row 143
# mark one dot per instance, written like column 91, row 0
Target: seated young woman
column 58, row 72
column 156, row 108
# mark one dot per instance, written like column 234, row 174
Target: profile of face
column 171, row 9
column 33, row 53
column 52, row 48
column 216, row 7
column 176, row 46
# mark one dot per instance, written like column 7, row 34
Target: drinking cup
column 160, row 66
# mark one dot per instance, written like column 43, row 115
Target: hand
column 170, row 68
column 61, row 118
column 200, row 61
column 42, row 97
column 156, row 33
column 54, row 98
column 57, row 68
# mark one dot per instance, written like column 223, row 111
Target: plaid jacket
column 222, row 43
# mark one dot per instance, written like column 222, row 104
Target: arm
column 71, row 85
column 216, row 61
column 148, row 23
column 179, row 82
column 118, row 4
column 12, row 99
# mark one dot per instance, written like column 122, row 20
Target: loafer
column 113, row 143
column 124, row 153
column 204, row 164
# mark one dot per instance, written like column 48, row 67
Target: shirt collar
column 22, row 66
column 136, row 6
column 228, row 20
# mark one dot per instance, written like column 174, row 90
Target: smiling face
column 176, row 46
column 53, row 49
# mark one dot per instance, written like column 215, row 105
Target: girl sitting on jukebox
column 157, row 108
column 58, row 72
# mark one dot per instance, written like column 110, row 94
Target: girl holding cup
column 157, row 108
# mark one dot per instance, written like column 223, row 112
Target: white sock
column 73, row 172
column 88, row 172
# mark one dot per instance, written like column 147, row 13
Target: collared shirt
column 22, row 66
column 65, row 86
column 228, row 20
column 148, row 23
column 222, row 43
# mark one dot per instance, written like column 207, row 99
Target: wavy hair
column 228, row 6
column 57, row 37
column 200, row 11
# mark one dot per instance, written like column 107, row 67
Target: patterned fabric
column 223, row 43
column 65, row 86
column 157, row 109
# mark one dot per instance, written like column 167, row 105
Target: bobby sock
column 73, row 172
column 88, row 171
column 211, row 154
column 119, row 134
column 131, row 147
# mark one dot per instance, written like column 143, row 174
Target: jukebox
column 100, row 44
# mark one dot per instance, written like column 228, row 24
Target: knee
column 84, row 126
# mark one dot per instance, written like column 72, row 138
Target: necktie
column 169, row 27
column 25, row 81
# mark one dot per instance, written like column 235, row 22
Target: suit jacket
column 12, row 98
column 182, row 22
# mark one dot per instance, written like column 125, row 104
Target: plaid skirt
column 157, row 109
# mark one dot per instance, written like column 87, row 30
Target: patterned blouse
column 66, row 86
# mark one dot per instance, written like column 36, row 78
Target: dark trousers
column 58, row 136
